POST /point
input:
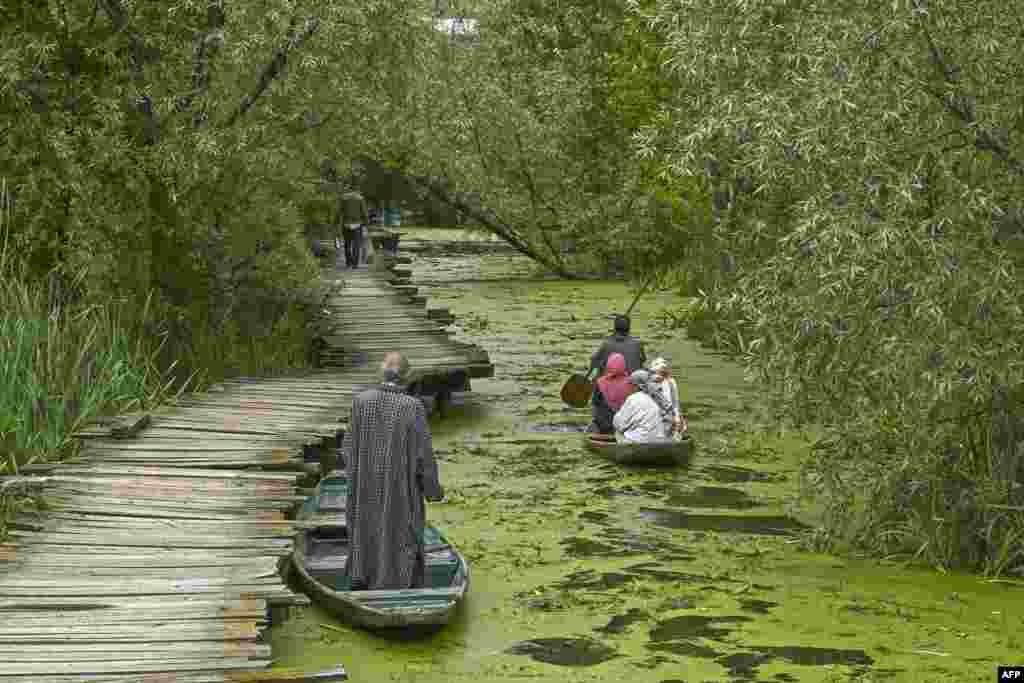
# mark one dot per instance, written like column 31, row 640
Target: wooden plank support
column 157, row 557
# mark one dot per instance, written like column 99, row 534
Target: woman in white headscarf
column 670, row 390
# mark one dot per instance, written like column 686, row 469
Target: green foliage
column 160, row 164
column 865, row 166
column 535, row 122
column 61, row 368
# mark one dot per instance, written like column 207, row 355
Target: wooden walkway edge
column 157, row 559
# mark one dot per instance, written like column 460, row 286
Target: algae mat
column 584, row 571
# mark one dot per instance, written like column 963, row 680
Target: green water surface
column 587, row 571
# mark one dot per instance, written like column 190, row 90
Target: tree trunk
column 496, row 226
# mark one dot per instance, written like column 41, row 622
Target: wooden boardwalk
column 158, row 558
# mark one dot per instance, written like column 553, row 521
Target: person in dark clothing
column 350, row 236
column 389, row 456
column 352, row 215
column 632, row 350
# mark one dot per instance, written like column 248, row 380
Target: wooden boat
column 658, row 453
column 321, row 552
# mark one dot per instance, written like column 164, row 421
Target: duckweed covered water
column 586, row 571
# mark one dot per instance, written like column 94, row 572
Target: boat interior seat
column 325, row 562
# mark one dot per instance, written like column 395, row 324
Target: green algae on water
column 565, row 558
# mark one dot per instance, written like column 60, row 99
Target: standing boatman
column 632, row 350
column 389, row 457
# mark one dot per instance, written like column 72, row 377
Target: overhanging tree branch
column 531, row 187
column 494, row 224
column 961, row 104
column 275, row 66
column 137, row 57
column 205, row 48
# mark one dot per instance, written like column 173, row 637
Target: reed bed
column 62, row 365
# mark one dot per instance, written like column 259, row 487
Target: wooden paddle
column 577, row 390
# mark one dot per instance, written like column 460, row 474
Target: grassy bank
column 63, row 366
column 70, row 353
column 918, row 458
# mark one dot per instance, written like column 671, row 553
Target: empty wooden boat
column 321, row 553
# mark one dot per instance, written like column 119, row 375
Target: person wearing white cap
column 663, row 380
column 639, row 418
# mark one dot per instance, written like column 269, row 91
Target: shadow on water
column 588, row 579
column 757, row 606
column 694, row 626
column 578, row 546
column 559, row 428
column 713, row 497
column 531, row 507
column 733, row 474
column 620, row 623
column 658, row 487
column 676, row 636
column 763, row 525
column 744, row 665
column 564, row 651
column 593, row 517
column 616, row 542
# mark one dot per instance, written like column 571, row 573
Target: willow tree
column 867, row 161
column 526, row 132
column 168, row 146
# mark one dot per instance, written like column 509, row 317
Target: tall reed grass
column 62, row 365
column 65, row 360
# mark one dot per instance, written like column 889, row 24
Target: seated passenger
column 639, row 419
column 670, row 390
column 611, row 391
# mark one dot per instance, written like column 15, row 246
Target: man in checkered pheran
column 389, row 456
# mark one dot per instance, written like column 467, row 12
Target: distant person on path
column 639, row 419
column 353, row 217
column 670, row 390
column 612, row 390
column 390, row 461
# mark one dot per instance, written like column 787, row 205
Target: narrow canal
column 585, row 571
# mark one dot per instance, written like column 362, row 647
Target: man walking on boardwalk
column 352, row 216
column 389, row 456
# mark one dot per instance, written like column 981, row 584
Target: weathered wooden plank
column 156, row 487
column 148, row 541
column 210, row 630
column 174, row 473
column 240, row 528
column 126, row 665
column 156, row 550
column 98, row 564
column 143, row 609
column 233, row 573
column 152, row 650
column 129, row 429
column 211, row 500
column 267, row 591
column 155, row 512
